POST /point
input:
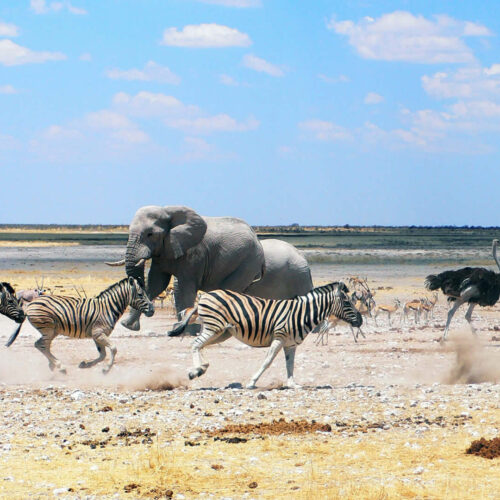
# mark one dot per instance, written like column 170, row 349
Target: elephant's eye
column 150, row 234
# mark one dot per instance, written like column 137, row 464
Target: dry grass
column 378, row 466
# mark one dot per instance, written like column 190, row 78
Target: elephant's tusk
column 140, row 262
column 117, row 263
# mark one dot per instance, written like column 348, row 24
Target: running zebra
column 265, row 323
column 9, row 305
column 81, row 318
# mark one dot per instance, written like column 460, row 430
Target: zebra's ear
column 131, row 282
column 343, row 287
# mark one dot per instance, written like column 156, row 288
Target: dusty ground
column 389, row 417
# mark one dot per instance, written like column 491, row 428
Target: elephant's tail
column 181, row 326
column 261, row 274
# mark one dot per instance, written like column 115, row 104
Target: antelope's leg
column 276, row 345
column 290, row 360
column 102, row 355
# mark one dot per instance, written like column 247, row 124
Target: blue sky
column 276, row 111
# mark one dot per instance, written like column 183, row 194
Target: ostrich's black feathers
column 453, row 283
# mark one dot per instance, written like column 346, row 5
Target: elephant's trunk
column 135, row 257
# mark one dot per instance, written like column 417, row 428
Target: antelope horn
column 117, row 263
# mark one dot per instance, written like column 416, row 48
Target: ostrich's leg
column 468, row 317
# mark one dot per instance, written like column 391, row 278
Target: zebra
column 94, row 318
column 265, row 323
column 9, row 305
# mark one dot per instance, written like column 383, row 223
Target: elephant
column 208, row 253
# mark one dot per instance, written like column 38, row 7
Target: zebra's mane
column 111, row 287
column 8, row 287
column 329, row 287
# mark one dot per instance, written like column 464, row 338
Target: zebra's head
column 344, row 308
column 9, row 304
column 139, row 299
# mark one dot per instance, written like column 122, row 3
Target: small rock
column 253, row 485
column 418, row 470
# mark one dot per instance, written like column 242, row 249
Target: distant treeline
column 292, row 228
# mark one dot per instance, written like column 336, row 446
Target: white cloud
column 150, row 105
column 86, row 56
column 401, row 36
column 465, row 83
column 205, row 36
column 335, row 79
column 210, row 124
column 373, row 98
column 228, row 80
column 42, row 7
column 235, row 3
column 176, row 114
column 196, row 149
column 261, row 65
column 7, row 29
column 326, row 131
column 8, row 89
column 12, row 54
column 106, row 119
column 152, row 72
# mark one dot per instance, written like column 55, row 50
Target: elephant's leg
column 207, row 337
column 157, row 282
column 185, row 292
column 276, row 345
column 290, row 360
column 102, row 355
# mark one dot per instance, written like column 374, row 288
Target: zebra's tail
column 13, row 337
column 181, row 326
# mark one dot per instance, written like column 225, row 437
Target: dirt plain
column 389, row 417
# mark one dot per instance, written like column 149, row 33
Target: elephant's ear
column 187, row 229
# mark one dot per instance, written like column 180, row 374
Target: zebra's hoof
column 84, row 364
column 250, row 386
column 195, row 373
column 106, row 370
column 63, row 370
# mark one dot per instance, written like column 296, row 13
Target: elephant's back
column 287, row 272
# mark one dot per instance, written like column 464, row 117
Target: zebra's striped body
column 265, row 323
column 9, row 305
column 80, row 318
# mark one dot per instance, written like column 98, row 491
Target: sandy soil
column 397, row 412
column 388, row 417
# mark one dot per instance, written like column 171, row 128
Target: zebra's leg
column 354, row 334
column 102, row 340
column 43, row 345
column 290, row 360
column 204, row 339
column 102, row 355
column 468, row 317
column 276, row 345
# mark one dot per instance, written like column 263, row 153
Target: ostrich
column 475, row 285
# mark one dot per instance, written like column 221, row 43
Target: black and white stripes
column 9, row 305
column 85, row 318
column 265, row 323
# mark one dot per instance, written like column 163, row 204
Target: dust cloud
column 474, row 363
